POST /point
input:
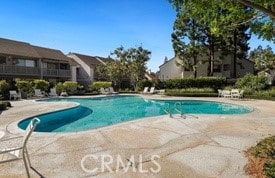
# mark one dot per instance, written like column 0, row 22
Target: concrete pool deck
column 207, row 146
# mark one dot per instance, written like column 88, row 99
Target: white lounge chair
column 14, row 95
column 53, row 92
column 111, row 90
column 152, row 90
column 104, row 92
column 145, row 90
column 20, row 152
column 226, row 93
column 64, row 94
column 37, row 93
column 220, row 93
column 235, row 93
column 241, row 94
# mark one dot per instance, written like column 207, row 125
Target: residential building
column 270, row 74
column 171, row 69
column 86, row 73
column 21, row 60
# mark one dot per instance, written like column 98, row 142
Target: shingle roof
column 91, row 60
column 72, row 61
column 48, row 53
column 17, row 48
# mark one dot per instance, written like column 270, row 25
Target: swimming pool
column 103, row 111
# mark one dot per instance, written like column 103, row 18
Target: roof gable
column 91, row 60
column 48, row 53
column 11, row 47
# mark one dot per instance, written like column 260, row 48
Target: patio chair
column 241, row 94
column 111, row 90
column 64, row 94
column 226, row 93
column 14, row 95
column 37, row 93
column 220, row 93
column 235, row 93
column 13, row 154
column 145, row 90
column 152, row 90
column 104, row 92
column 53, row 92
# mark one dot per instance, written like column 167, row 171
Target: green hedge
column 143, row 83
column 198, row 92
column 4, row 105
column 100, row 84
column 251, row 83
column 201, row 82
column 43, row 85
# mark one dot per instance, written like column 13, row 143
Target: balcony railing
column 33, row 71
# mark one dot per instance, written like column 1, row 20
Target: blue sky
column 94, row 27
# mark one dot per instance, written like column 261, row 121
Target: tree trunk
column 235, row 55
column 195, row 68
column 211, row 48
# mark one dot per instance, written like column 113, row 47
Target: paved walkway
column 210, row 146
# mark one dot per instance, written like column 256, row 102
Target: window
column 217, row 68
column 24, row 62
column 51, row 66
column 64, row 66
column 2, row 60
column 30, row 63
column 226, row 67
column 18, row 62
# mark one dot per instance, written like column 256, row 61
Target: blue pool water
column 103, row 111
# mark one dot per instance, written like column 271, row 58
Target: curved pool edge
column 12, row 126
column 210, row 99
column 51, row 126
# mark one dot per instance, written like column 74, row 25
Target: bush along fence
column 201, row 82
column 202, row 86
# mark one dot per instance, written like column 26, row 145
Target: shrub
column 191, row 92
column 24, row 86
column 269, row 168
column 159, row 84
column 3, row 86
column 59, row 88
column 143, row 83
column 252, row 82
column 4, row 105
column 70, row 86
column 262, row 94
column 43, row 85
column 201, row 82
column 100, row 84
column 265, row 149
column 272, row 92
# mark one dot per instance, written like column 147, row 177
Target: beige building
column 171, row 70
column 86, row 72
column 20, row 60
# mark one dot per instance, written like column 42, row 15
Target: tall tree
column 186, row 29
column 192, row 37
column 258, row 14
column 128, row 65
column 236, row 45
column 138, row 59
column 263, row 58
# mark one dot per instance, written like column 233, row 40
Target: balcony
column 33, row 71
